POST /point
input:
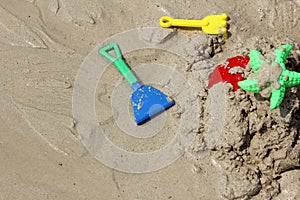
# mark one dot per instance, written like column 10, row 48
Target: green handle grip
column 118, row 62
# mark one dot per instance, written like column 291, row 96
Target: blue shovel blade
column 148, row 102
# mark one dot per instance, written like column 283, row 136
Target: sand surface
column 241, row 151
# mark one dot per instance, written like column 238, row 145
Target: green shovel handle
column 118, row 62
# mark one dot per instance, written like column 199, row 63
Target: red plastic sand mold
column 229, row 72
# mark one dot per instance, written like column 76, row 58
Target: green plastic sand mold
column 286, row 78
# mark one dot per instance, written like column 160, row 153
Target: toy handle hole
column 165, row 21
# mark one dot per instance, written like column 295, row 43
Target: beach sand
column 256, row 154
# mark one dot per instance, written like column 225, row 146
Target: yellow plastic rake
column 212, row 24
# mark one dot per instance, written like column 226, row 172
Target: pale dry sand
column 44, row 42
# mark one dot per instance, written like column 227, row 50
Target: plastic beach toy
column 146, row 101
column 212, row 24
column 232, row 71
column 271, row 76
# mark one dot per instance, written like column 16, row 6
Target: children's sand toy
column 146, row 100
column 271, row 78
column 232, row 71
column 212, row 24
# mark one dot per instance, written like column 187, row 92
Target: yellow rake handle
column 167, row 22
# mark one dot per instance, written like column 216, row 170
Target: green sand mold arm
column 282, row 54
column 118, row 62
column 255, row 60
column 277, row 97
column 293, row 78
column 249, row 85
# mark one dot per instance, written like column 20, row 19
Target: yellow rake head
column 216, row 24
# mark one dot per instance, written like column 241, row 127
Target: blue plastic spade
column 146, row 100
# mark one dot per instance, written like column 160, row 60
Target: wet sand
column 43, row 44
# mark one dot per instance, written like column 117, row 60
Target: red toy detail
column 222, row 74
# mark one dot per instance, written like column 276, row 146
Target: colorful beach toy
column 229, row 72
column 146, row 100
column 212, row 24
column 271, row 76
